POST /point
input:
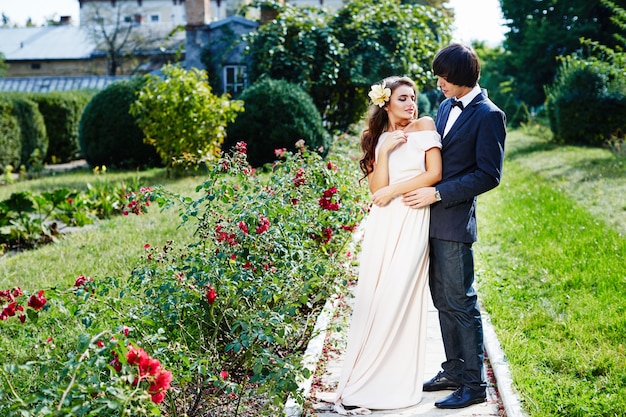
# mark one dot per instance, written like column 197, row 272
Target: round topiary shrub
column 277, row 114
column 108, row 134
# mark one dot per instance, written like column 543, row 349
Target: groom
column 473, row 133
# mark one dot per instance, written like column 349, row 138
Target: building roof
column 230, row 20
column 44, row 84
column 45, row 42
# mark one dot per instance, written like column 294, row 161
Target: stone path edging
column 313, row 353
column 497, row 359
column 501, row 371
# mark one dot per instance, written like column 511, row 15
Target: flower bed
column 228, row 315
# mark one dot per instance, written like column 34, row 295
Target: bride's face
column 401, row 106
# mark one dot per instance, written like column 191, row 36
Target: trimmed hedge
column 32, row 127
column 109, row 135
column 61, row 112
column 277, row 114
column 10, row 145
column 586, row 104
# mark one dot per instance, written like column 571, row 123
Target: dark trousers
column 451, row 285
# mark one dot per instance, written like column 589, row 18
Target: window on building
column 35, row 66
column 235, row 79
column 155, row 18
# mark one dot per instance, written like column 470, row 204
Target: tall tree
column 120, row 35
column 542, row 30
column 337, row 58
column 441, row 5
column 111, row 33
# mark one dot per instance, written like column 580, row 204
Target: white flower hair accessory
column 380, row 94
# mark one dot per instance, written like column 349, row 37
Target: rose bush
column 226, row 316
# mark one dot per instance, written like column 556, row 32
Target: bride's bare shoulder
column 423, row 123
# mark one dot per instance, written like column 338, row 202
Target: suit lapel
column 441, row 121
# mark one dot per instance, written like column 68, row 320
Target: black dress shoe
column 440, row 382
column 462, row 397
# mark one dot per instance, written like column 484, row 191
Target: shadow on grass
column 527, row 148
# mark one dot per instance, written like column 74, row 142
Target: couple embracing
column 424, row 177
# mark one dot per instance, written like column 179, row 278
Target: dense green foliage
column 61, row 113
column 493, row 77
column 109, row 135
column 336, row 58
column 277, row 115
column 587, row 102
column 30, row 138
column 298, row 47
column 541, row 31
column 181, row 117
column 10, row 146
column 34, row 138
column 520, row 116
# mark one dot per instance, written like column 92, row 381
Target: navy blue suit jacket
column 473, row 154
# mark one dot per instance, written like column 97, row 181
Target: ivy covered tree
column 382, row 38
column 542, row 30
column 300, row 48
column 337, row 58
column 181, row 117
column 441, row 5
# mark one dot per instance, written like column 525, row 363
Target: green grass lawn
column 552, row 274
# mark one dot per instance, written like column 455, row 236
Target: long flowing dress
column 384, row 359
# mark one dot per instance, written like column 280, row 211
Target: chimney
column 269, row 13
column 198, row 12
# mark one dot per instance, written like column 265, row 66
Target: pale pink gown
column 384, row 361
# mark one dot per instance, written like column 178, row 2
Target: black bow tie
column 458, row 103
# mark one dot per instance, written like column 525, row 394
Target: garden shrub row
column 62, row 112
column 39, row 127
column 100, row 127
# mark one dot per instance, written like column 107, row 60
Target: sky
column 475, row 19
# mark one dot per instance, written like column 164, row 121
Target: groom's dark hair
column 458, row 64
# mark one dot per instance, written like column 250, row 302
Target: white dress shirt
column 455, row 111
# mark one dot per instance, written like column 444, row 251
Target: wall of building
column 47, row 68
column 145, row 12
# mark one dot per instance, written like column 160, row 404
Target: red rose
column 37, row 301
column 211, row 295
